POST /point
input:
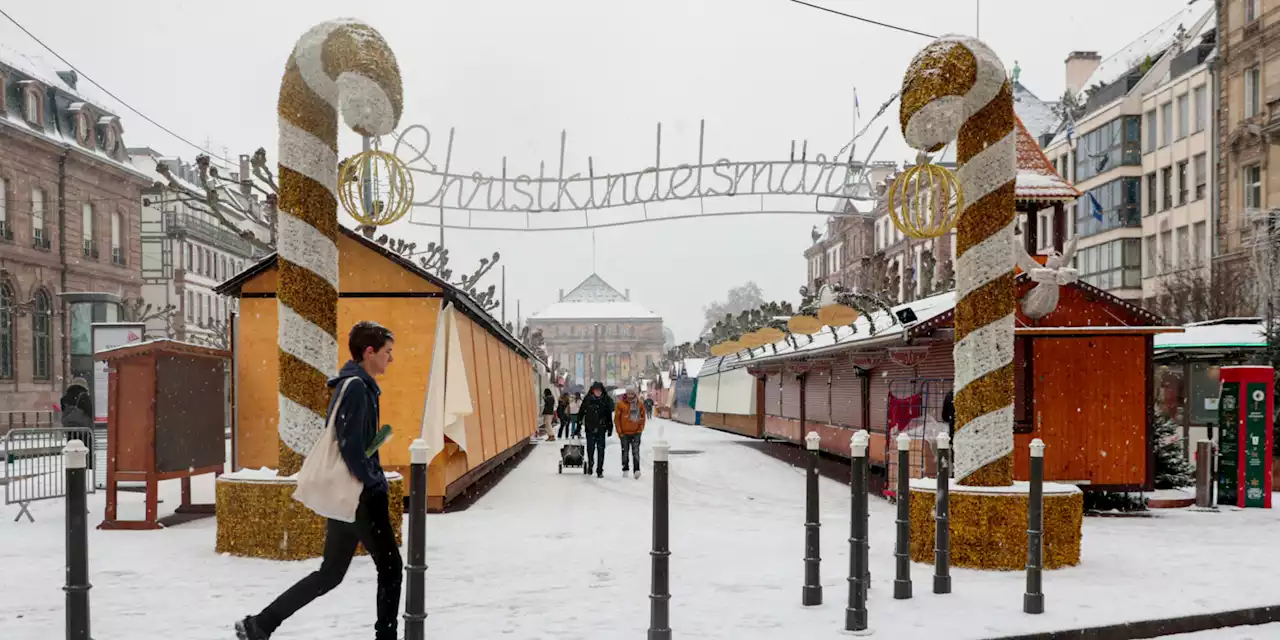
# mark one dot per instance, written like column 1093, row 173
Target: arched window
column 42, row 336
column 7, row 302
column 117, row 240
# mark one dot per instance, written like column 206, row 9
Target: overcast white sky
column 509, row 75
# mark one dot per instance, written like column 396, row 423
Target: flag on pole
column 857, row 109
column 1071, row 131
column 1096, row 207
column 448, row 400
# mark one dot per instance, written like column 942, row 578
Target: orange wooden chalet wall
column 378, row 285
column 1083, row 385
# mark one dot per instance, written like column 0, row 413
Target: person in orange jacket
column 629, row 419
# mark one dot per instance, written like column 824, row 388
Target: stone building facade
column 69, row 226
column 596, row 332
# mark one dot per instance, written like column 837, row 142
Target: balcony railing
column 117, row 255
column 216, row 235
column 90, row 250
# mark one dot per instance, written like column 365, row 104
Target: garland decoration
column 957, row 88
column 338, row 61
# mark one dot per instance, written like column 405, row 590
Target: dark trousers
column 372, row 528
column 576, row 427
column 630, row 445
column 563, row 432
column 595, row 450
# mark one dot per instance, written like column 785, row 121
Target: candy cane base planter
column 989, row 525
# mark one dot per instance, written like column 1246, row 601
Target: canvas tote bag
column 325, row 484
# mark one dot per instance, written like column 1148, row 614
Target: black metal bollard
column 1033, row 599
column 855, row 614
column 812, row 592
column 75, row 458
column 942, row 519
column 902, row 550
column 660, row 596
column 415, row 596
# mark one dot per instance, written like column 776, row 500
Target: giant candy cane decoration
column 956, row 88
column 340, row 60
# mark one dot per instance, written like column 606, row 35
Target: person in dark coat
column 562, row 415
column 596, row 415
column 548, row 413
column 77, row 413
column 356, row 423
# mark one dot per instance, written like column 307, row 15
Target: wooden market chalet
column 1082, row 373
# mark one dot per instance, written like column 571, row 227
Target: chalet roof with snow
column 595, row 299
column 1037, row 179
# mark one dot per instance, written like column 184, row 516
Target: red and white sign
column 109, row 335
column 908, row 356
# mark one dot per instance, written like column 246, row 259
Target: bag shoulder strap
column 342, row 391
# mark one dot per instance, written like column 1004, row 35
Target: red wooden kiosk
column 1247, row 409
column 166, row 421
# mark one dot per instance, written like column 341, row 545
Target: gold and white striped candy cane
column 335, row 61
column 956, row 88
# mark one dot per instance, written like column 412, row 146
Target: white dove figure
column 1042, row 299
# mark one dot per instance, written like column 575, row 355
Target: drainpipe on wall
column 65, row 322
column 1215, row 72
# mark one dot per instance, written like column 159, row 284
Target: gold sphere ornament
column 804, row 325
column 375, row 187
column 837, row 315
column 925, row 201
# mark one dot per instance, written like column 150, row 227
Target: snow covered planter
column 258, row 517
column 989, row 525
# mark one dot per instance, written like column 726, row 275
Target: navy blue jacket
column 357, row 424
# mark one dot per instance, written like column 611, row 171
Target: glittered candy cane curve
column 344, row 63
column 956, row 88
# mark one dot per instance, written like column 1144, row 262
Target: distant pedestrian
column 353, row 412
column 562, row 416
column 595, row 415
column 575, row 407
column 648, row 408
column 77, row 413
column 629, row 418
column 548, row 413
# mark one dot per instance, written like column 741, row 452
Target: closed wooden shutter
column 772, row 396
column 790, row 396
column 846, row 395
column 817, row 398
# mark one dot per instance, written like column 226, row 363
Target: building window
column 1149, row 263
column 84, row 128
column 1166, row 178
column 1252, row 91
column 1166, row 123
column 6, row 233
column 7, row 303
column 39, row 236
column 1184, row 247
column 1120, row 206
column 41, row 336
column 1182, row 183
column 117, row 245
column 186, row 255
column 1197, row 106
column 1184, row 116
column 1250, row 11
column 32, row 106
column 1113, row 144
column 191, row 306
column 1151, row 131
column 1166, row 251
column 1197, row 244
column 1042, row 231
column 1112, row 265
column 1252, row 187
column 1151, row 193
column 1198, row 166
column 86, row 230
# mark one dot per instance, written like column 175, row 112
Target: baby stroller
column 572, row 455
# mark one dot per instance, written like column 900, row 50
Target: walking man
column 595, row 414
column 355, row 427
column 630, row 418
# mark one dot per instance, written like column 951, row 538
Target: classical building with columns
column 596, row 332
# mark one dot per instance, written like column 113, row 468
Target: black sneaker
column 247, row 629
column 600, row 473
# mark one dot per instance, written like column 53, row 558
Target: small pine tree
column 1172, row 469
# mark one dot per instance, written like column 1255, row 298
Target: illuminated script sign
column 444, row 188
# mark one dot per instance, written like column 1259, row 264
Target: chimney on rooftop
column 1081, row 65
column 246, row 180
column 69, row 77
column 627, row 294
column 561, row 296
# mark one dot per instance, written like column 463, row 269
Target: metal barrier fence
column 33, row 467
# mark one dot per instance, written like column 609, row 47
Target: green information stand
column 1228, row 442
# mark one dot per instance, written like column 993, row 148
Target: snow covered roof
column 1192, row 18
column 1037, row 179
column 886, row 325
column 624, row 310
column 1227, row 332
column 1038, row 115
column 694, row 366
column 595, row 299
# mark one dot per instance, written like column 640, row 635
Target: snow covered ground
column 545, row 556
